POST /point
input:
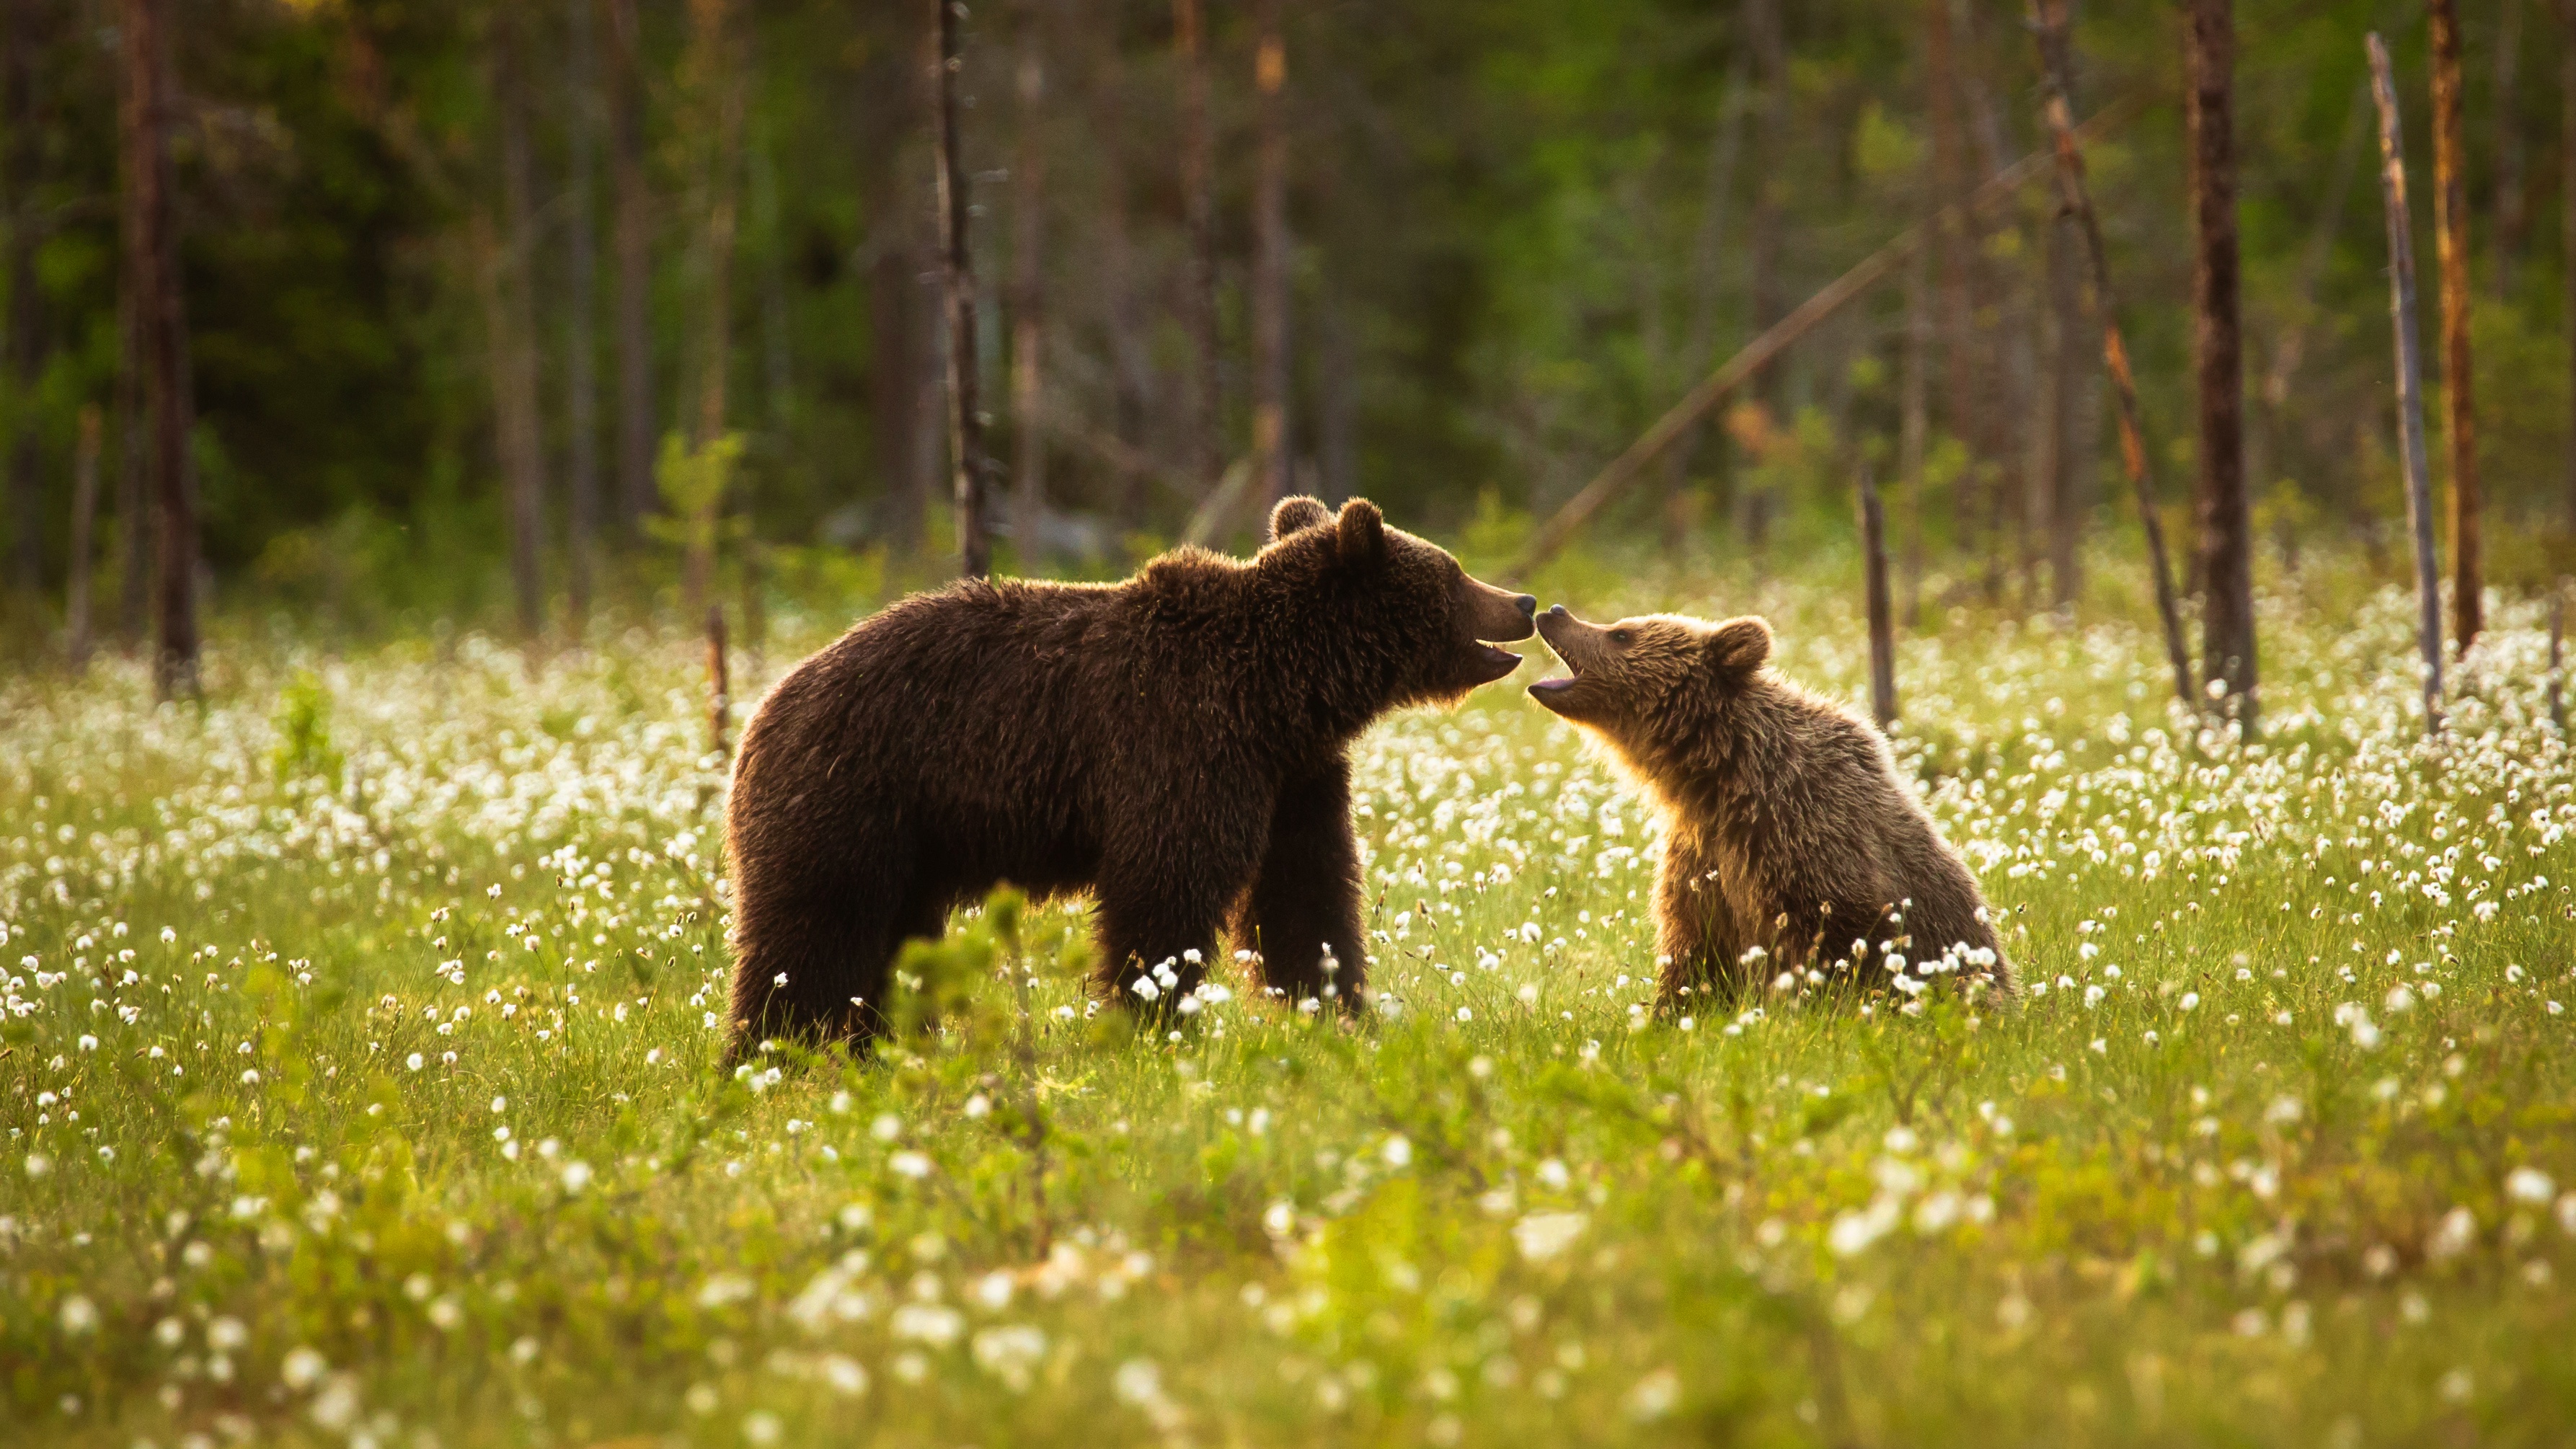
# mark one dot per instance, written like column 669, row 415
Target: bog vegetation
column 360, row 1086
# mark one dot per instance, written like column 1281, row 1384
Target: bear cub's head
column 1632, row 678
column 1428, row 629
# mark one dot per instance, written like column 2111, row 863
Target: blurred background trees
column 512, row 313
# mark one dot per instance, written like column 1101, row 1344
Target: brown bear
column 1787, row 827
column 1174, row 744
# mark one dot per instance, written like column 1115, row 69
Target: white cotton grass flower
column 1542, row 1236
column 2530, row 1185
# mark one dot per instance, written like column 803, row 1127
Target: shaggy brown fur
column 1788, row 828
column 1174, row 744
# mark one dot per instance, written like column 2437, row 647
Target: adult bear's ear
column 1738, row 647
column 1363, row 533
column 1295, row 515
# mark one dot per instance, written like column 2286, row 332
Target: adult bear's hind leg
column 808, row 972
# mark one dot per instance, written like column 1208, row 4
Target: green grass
column 404, row 1128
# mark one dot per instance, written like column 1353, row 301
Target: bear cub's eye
column 1622, row 636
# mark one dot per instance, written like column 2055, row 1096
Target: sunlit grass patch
column 359, row 1087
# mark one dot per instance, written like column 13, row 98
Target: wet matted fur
column 1174, row 744
column 1788, row 827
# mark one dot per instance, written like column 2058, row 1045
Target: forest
column 2135, row 443
column 501, row 313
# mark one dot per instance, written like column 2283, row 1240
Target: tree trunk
column 2410, row 381
column 24, row 39
column 632, row 239
column 1913, row 420
column 1882, row 629
column 2410, row 405
column 716, row 100
column 1270, row 260
column 2451, row 249
column 1028, row 299
column 1204, row 455
column 76, row 625
column 2567, row 223
column 957, row 286
column 152, row 266
column 131, row 421
column 581, row 311
column 2005, row 294
column 2226, row 528
column 1951, row 248
column 509, row 313
column 2512, row 197
column 1763, row 23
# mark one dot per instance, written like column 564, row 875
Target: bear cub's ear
column 1363, row 533
column 1296, row 515
column 1738, row 647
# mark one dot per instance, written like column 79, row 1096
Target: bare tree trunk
column 133, row 450
column 509, row 314
column 1913, row 422
column 2513, row 200
column 26, row 36
column 2451, row 249
column 2557, row 657
column 152, row 245
column 2005, row 294
column 1028, row 299
column 581, row 311
column 76, row 625
column 2071, row 438
column 1270, row 245
column 1882, row 629
column 1763, row 22
column 1204, row 456
column 2567, row 222
column 716, row 85
column 632, row 239
column 2057, row 55
column 1951, row 246
column 2226, row 527
column 719, row 683
column 2410, row 381
column 957, row 273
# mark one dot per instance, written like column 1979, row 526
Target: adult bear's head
column 1394, row 619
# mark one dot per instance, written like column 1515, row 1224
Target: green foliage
column 303, row 721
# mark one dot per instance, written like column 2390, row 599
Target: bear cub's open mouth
column 1556, row 684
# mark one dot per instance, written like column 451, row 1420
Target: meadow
column 360, row 1086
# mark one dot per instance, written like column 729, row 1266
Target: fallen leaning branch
column 1747, row 364
column 2076, row 196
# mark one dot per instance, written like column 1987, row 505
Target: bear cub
column 1788, row 828
column 1175, row 745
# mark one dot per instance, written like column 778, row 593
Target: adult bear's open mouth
column 1494, row 663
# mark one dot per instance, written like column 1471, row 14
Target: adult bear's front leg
column 1306, row 898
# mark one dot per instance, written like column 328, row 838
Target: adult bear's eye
column 1622, row 636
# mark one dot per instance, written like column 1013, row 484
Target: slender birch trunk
column 2410, row 381
column 957, row 273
